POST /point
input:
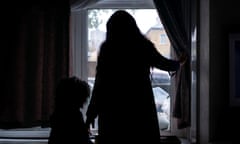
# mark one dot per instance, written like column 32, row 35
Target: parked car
column 162, row 101
column 160, row 83
column 160, row 77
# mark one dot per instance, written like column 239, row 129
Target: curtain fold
column 175, row 17
column 35, row 57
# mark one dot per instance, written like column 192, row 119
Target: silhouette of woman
column 122, row 96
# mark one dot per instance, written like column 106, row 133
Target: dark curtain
column 175, row 17
column 34, row 57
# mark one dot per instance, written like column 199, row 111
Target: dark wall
column 224, row 119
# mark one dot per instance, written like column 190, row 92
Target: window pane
column 150, row 25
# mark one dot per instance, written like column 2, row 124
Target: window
column 147, row 20
column 84, row 52
column 163, row 39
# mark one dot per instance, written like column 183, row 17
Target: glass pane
column 150, row 25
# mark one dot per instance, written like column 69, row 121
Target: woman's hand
column 90, row 122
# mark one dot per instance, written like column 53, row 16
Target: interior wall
column 224, row 119
column 203, row 74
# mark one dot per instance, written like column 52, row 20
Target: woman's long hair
column 122, row 26
column 124, row 44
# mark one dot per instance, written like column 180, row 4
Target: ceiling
column 88, row 4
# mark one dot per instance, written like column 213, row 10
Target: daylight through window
column 150, row 25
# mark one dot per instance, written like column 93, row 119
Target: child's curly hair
column 72, row 92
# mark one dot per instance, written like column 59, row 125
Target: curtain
column 35, row 55
column 175, row 17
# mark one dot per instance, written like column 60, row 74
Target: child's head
column 72, row 92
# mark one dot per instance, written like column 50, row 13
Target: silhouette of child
column 67, row 122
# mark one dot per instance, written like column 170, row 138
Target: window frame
column 79, row 32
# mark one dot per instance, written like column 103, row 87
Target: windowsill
column 23, row 141
column 184, row 141
column 35, row 137
column 19, row 134
column 45, row 141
